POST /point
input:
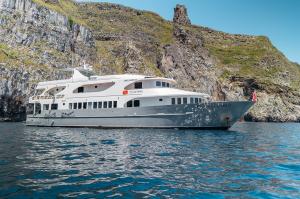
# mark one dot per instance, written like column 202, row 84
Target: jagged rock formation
column 39, row 39
column 180, row 15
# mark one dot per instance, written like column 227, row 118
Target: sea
column 251, row 160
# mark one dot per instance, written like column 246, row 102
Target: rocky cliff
column 38, row 39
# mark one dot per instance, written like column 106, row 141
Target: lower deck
column 205, row 115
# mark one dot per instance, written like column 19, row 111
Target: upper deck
column 110, row 91
column 120, row 88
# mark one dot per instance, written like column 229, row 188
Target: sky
column 277, row 19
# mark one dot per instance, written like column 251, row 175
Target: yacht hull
column 212, row 115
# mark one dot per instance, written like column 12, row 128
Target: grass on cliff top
column 148, row 30
column 105, row 18
column 67, row 8
column 252, row 57
column 111, row 19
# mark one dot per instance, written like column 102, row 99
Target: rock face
column 38, row 35
column 40, row 39
column 180, row 15
column 26, row 23
column 12, row 93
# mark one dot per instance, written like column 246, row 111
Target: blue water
column 252, row 160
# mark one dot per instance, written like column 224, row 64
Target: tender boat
column 128, row 101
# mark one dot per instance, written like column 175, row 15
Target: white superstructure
column 109, row 92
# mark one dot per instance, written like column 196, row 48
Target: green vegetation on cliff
column 237, row 55
column 251, row 57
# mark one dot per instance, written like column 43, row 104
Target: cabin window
column 163, row 84
column 80, row 105
column 184, row 100
column 136, row 103
column 129, row 104
column 80, row 89
column 104, row 104
column 93, row 87
column 158, row 84
column 110, row 104
column 192, row 100
column 115, row 104
column 94, row 105
column 173, row 101
column 168, row 85
column 196, row 100
column 54, row 106
column 70, row 106
column 200, row 100
column 84, row 105
column 99, row 104
column 45, row 107
column 178, row 100
column 160, row 99
column 138, row 85
column 75, row 105
column 90, row 104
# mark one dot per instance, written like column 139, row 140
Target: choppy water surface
column 252, row 160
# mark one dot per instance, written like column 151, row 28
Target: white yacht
column 127, row 101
